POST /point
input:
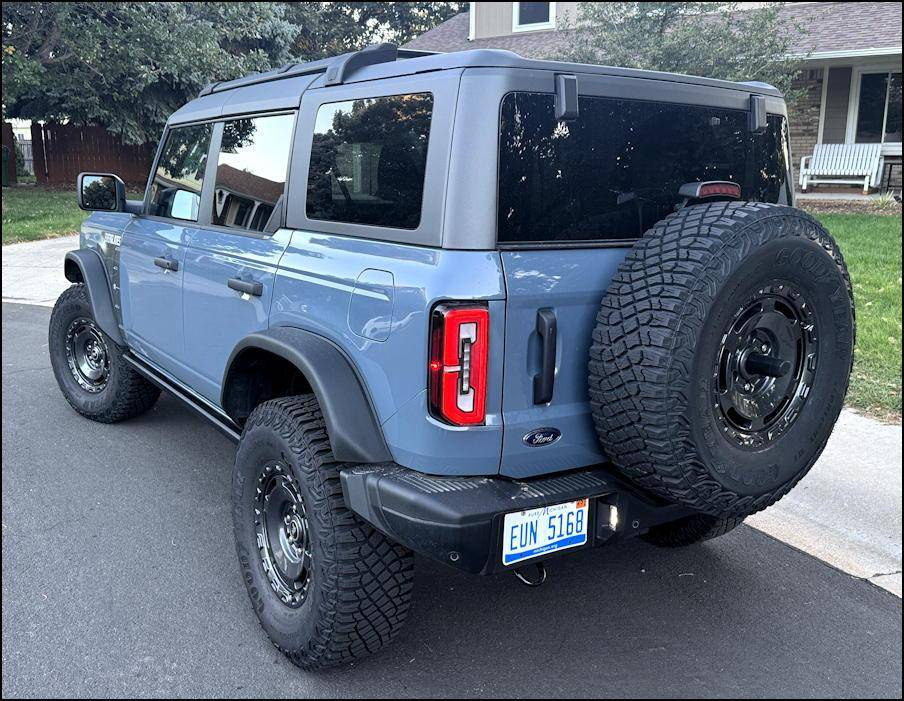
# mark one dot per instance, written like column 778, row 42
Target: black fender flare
column 354, row 431
column 93, row 274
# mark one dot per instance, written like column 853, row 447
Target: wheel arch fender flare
column 85, row 266
column 352, row 425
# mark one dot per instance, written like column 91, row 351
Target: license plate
column 540, row 531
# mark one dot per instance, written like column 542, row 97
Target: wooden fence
column 62, row 151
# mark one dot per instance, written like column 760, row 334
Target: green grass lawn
column 31, row 213
column 871, row 244
column 872, row 250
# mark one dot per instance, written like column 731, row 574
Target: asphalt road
column 119, row 579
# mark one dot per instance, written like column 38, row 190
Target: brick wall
column 803, row 114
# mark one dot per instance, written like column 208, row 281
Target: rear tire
column 327, row 587
column 721, row 355
column 690, row 530
column 89, row 367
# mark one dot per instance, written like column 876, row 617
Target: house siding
column 494, row 19
column 838, row 92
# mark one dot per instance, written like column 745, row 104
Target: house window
column 879, row 108
column 531, row 16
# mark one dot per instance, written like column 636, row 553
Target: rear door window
column 368, row 161
column 176, row 188
column 616, row 170
column 251, row 171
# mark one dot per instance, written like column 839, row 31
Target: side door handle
column 167, row 263
column 545, row 380
column 255, row 289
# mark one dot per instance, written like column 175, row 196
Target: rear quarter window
column 613, row 172
column 368, row 161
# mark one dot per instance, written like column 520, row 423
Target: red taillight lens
column 457, row 371
column 727, row 189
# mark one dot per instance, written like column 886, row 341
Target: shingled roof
column 843, row 28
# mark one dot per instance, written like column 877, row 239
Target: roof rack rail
column 344, row 66
column 338, row 68
column 290, row 70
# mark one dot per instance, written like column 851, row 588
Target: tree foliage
column 714, row 39
column 128, row 65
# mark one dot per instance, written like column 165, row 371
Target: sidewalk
column 33, row 271
column 847, row 511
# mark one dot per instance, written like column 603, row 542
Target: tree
column 713, row 39
column 128, row 65
column 330, row 28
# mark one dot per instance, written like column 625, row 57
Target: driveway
column 33, row 271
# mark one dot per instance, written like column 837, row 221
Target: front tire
column 327, row 588
column 89, row 367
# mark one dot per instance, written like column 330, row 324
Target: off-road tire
column 361, row 582
column 690, row 530
column 125, row 394
column 660, row 327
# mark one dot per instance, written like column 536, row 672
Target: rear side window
column 176, row 188
column 251, row 171
column 368, row 160
column 616, row 170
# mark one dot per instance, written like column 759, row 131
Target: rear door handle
column 167, row 264
column 255, row 289
column 544, row 382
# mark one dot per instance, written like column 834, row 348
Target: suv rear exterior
column 427, row 292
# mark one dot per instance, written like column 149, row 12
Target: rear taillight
column 457, row 374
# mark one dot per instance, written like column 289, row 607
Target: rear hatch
column 573, row 196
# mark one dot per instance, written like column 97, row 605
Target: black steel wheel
column 87, row 355
column 283, row 533
column 765, row 365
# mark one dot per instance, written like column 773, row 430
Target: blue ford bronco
column 482, row 308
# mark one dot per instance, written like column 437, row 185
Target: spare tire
column 721, row 355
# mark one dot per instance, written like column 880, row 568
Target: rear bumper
column 458, row 520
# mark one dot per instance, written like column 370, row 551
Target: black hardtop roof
column 388, row 61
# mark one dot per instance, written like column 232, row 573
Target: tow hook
column 537, row 581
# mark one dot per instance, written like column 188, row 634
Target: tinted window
column 368, row 159
column 251, row 171
column 617, row 169
column 176, row 189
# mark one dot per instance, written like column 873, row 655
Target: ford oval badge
column 541, row 436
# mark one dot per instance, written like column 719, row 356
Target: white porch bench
column 842, row 164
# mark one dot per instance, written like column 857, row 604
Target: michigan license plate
column 544, row 530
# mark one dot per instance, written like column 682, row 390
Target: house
column 850, row 77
